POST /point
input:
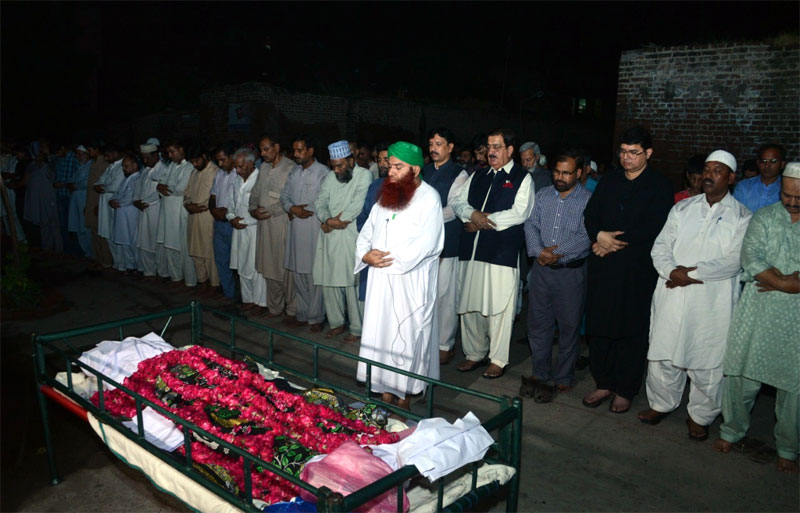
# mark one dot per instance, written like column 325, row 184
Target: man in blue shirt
column 556, row 239
column 764, row 189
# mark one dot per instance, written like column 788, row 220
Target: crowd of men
column 405, row 253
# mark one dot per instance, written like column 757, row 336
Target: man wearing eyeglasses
column 764, row 189
column 557, row 241
column 623, row 217
column 494, row 203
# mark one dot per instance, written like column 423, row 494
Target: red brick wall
column 733, row 96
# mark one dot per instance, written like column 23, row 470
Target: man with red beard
column 400, row 243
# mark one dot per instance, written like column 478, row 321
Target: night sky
column 72, row 66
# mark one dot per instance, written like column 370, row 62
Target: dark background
column 71, row 67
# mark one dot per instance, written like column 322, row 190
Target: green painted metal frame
column 508, row 422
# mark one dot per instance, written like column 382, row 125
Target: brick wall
column 732, row 96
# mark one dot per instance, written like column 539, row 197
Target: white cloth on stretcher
column 437, row 447
column 118, row 360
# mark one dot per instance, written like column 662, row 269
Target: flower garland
column 238, row 405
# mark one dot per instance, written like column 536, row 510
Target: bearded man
column 400, row 243
column 340, row 201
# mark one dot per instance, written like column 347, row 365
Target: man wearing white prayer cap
column 696, row 256
column 148, row 201
column 340, row 200
column 764, row 337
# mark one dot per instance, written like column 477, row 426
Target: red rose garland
column 264, row 413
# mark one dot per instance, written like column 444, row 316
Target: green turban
column 409, row 153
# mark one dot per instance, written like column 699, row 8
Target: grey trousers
column 555, row 295
column 308, row 296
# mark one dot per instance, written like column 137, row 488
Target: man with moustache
column 340, row 200
column 273, row 228
column 222, row 193
column 298, row 198
column 200, row 225
column 400, row 244
column 177, row 265
column 762, row 190
column 557, row 241
column 696, row 256
column 447, row 177
column 494, row 203
column 147, row 200
column 382, row 159
column 764, row 337
column 243, row 242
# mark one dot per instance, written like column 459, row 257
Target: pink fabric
column 348, row 469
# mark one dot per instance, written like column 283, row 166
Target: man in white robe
column 494, row 204
column 340, row 200
column 243, row 242
column 173, row 217
column 697, row 259
column 107, row 185
column 298, row 197
column 126, row 218
column 400, row 243
column 148, row 201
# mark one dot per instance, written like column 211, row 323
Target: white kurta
column 173, row 216
column 243, row 242
column 488, row 288
column 110, row 180
column 148, row 220
column 689, row 325
column 400, row 327
column 335, row 250
column 126, row 217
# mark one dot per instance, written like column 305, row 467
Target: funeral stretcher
column 497, row 474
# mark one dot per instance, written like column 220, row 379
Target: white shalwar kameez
column 126, row 224
column 689, row 325
column 243, row 242
column 148, row 219
column 172, row 220
column 489, row 292
column 110, row 180
column 400, row 326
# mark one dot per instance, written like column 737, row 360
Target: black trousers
column 618, row 364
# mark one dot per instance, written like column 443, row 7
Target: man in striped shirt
column 557, row 241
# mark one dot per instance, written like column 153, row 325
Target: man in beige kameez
column 200, row 225
column 273, row 227
column 99, row 244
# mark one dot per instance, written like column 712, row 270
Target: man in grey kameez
column 298, row 197
column 340, row 200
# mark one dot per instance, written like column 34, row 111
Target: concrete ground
column 574, row 458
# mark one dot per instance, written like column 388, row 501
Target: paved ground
column 574, row 458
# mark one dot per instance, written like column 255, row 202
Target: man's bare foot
column 389, row 398
column 619, row 404
column 274, row 315
column 335, row 332
column 446, row 357
column 788, row 466
column 315, row 328
column 406, row 404
column 721, row 445
column 596, row 398
column 352, row 338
